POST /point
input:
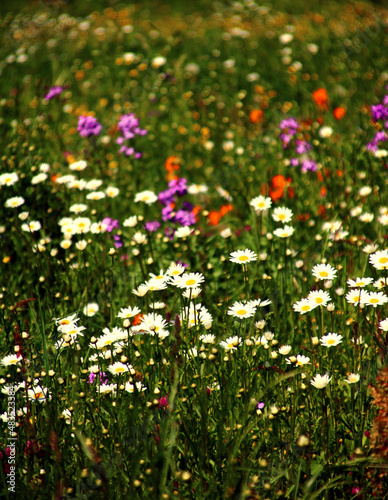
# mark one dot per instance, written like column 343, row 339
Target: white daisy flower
column 331, row 340
column 284, row 232
column 320, row 381
column 282, row 214
column 376, row 299
column 379, row 259
column 243, row 256
column 14, row 202
column 353, row 378
column 261, row 203
column 231, row 343
column 320, row 297
column 241, row 310
column 360, row 282
column 147, row 197
column 304, row 305
column 324, row 272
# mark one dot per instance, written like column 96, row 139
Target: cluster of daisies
column 279, row 214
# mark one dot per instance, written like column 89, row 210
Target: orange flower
column 339, row 113
column 256, row 115
column 171, row 165
column 215, row 216
column 321, row 98
column 278, row 185
column 137, row 319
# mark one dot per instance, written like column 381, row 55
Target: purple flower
column 167, row 213
column 260, row 406
column 184, row 218
column 152, row 226
column 309, row 165
column 179, row 186
column 110, row 224
column 117, row 243
column 302, row 147
column 129, row 127
column 379, row 112
column 53, row 92
column 294, row 162
column 88, row 126
column 289, row 123
column 166, row 197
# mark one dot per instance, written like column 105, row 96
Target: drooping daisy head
column 91, row 309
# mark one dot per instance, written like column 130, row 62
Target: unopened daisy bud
column 123, row 359
column 330, row 307
column 274, row 410
column 274, row 354
column 43, row 373
column 25, row 335
column 185, row 475
column 293, row 359
column 16, row 348
column 303, row 441
column 315, row 340
column 93, row 340
column 51, row 373
column 248, row 342
column 60, row 380
column 112, row 251
column 126, row 323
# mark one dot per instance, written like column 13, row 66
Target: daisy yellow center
column 72, row 332
column 356, row 299
column 120, row 369
column 38, row 395
column 174, row 273
column 323, row 274
column 146, row 198
column 374, row 301
column 331, row 341
column 242, row 258
column 190, row 282
column 261, row 204
column 13, row 361
column 319, row 300
column 305, row 308
column 281, row 216
column 81, row 224
column 108, row 342
column 360, row 283
column 383, row 260
column 241, row 312
column 230, row 345
column 65, row 322
column 8, row 179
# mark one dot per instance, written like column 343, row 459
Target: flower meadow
column 194, row 257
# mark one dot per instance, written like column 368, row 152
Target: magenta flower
column 88, row 126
